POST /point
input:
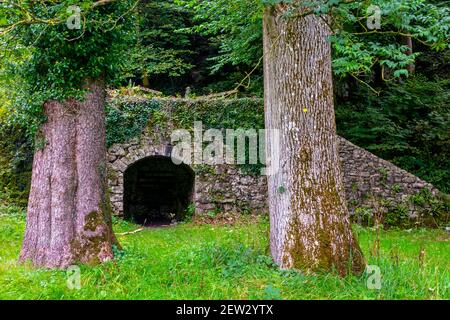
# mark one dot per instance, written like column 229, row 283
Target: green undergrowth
column 227, row 262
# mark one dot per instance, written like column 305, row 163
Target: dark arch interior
column 157, row 191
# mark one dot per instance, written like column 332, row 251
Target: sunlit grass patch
column 227, row 262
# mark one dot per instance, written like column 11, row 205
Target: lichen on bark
column 310, row 227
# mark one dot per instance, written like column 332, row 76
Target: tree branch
column 101, row 3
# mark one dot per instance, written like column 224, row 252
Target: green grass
column 226, row 262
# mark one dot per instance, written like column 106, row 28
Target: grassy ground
column 227, row 262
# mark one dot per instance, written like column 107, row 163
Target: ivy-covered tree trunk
column 69, row 216
column 310, row 227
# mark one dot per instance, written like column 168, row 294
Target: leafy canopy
column 236, row 24
column 58, row 59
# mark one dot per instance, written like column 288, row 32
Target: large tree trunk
column 310, row 227
column 69, row 216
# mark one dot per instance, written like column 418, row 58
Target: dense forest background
column 190, row 49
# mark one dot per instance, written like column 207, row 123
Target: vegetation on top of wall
column 127, row 117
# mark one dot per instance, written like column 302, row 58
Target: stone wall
column 225, row 188
column 367, row 179
column 370, row 180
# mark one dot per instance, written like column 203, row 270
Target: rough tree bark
column 310, row 227
column 69, row 216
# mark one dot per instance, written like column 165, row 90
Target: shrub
column 15, row 165
column 406, row 124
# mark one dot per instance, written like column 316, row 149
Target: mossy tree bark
column 310, row 227
column 69, row 216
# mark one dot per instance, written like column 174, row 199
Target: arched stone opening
column 157, row 191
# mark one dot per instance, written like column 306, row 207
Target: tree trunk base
column 69, row 215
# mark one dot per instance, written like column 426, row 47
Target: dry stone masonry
column 367, row 178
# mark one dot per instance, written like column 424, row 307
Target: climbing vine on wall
column 127, row 118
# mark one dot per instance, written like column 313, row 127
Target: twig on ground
column 131, row 232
